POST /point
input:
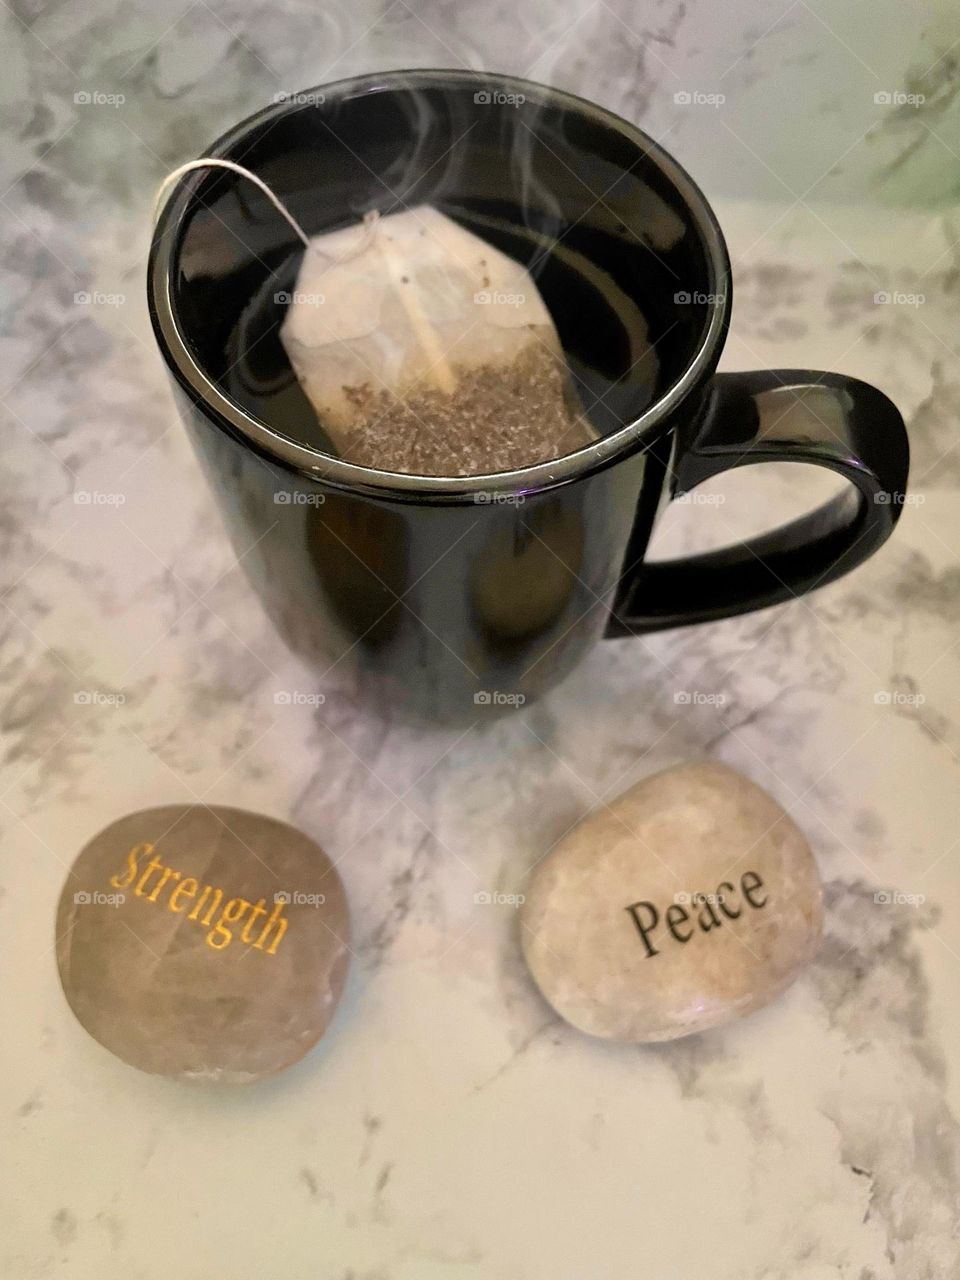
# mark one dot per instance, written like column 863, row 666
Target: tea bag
column 424, row 349
column 421, row 347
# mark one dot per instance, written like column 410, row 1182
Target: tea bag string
column 439, row 364
column 370, row 219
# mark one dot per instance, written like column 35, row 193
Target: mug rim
column 312, row 463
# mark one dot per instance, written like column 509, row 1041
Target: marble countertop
column 448, row 1125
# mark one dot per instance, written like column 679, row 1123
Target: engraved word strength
column 177, row 893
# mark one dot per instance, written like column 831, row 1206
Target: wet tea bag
column 421, row 347
column 424, row 349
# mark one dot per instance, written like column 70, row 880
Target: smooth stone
column 615, row 935
column 225, row 962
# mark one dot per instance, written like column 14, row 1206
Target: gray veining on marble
column 449, row 1125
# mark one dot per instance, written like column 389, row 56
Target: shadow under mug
column 451, row 598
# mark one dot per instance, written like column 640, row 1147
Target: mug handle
column 785, row 415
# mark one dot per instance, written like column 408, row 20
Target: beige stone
column 201, row 942
column 689, row 901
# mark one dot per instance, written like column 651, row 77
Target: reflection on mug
column 359, row 553
column 523, row 580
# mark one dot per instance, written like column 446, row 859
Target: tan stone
column 202, row 942
column 689, row 901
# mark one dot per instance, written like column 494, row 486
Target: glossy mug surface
column 453, row 597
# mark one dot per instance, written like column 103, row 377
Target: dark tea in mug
column 457, row 596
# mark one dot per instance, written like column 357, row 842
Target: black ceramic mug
column 451, row 597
